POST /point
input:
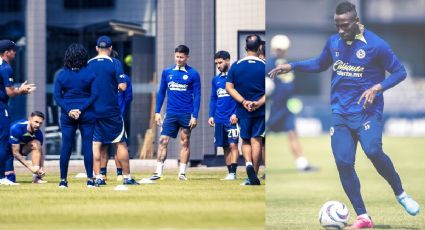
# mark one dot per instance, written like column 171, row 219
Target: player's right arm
column 11, row 91
column 314, row 65
column 213, row 103
column 160, row 97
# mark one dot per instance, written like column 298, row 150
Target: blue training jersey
column 125, row 97
column 6, row 80
column 222, row 105
column 355, row 68
column 183, row 89
column 248, row 78
column 109, row 74
column 19, row 133
column 75, row 89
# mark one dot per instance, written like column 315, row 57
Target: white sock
column 301, row 162
column 100, row 176
column 128, row 176
column 159, row 168
column 365, row 216
column 402, row 195
column 248, row 163
column 182, row 168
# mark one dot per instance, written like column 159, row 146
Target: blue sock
column 229, row 169
column 233, row 167
column 103, row 171
column 119, row 171
column 11, row 177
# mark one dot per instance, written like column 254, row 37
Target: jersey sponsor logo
column 185, row 77
column 222, row 93
column 347, row 70
column 177, row 86
column 360, row 54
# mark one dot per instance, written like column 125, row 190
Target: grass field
column 202, row 202
column 293, row 199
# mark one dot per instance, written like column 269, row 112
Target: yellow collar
column 183, row 68
column 359, row 36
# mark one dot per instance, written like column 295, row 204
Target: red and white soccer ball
column 334, row 215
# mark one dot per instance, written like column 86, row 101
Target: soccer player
column 109, row 126
column 75, row 93
column 182, row 85
column 7, row 54
column 246, row 84
column 359, row 60
column 281, row 118
column 124, row 101
column 222, row 115
column 25, row 138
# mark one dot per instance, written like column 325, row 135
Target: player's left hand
column 233, row 119
column 192, row 123
column 369, row 95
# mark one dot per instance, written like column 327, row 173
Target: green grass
column 293, row 199
column 202, row 202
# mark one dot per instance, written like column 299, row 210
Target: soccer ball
column 333, row 215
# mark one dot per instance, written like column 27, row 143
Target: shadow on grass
column 382, row 226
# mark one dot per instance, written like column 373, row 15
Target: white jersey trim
column 101, row 56
column 251, row 58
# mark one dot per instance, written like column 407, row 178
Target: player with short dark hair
column 245, row 83
column 109, row 126
column 359, row 60
column 222, row 115
column 182, row 85
column 7, row 89
column 26, row 138
column 74, row 93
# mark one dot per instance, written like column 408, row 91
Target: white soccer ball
column 334, row 215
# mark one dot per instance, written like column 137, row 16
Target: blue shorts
column 348, row 130
column 173, row 122
column 224, row 134
column 285, row 123
column 109, row 130
column 252, row 127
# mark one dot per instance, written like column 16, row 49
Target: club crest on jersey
column 185, row 77
column 331, row 131
column 360, row 54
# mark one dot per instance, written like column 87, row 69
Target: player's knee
column 35, row 145
column 373, row 151
column 343, row 165
column 163, row 141
column 185, row 142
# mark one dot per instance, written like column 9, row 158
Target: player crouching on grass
column 25, row 138
column 223, row 115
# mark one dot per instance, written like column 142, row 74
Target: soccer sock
column 182, row 168
column 128, row 176
column 233, row 168
column 11, row 177
column 402, row 195
column 385, row 168
column 301, row 162
column 99, row 176
column 119, row 171
column 103, row 171
column 229, row 169
column 351, row 184
column 159, row 168
column 365, row 216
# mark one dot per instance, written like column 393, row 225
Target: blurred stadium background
column 145, row 33
column 309, row 23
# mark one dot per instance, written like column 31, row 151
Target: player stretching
column 182, row 85
column 7, row 54
column 27, row 138
column 246, row 84
column 109, row 126
column 359, row 59
column 223, row 115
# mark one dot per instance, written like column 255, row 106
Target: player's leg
column 34, row 147
column 124, row 161
column 246, row 134
column 4, row 147
column 87, row 129
column 104, row 157
column 370, row 136
column 119, row 168
column 344, row 143
column 233, row 140
column 9, row 169
column 184, row 152
column 68, row 135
